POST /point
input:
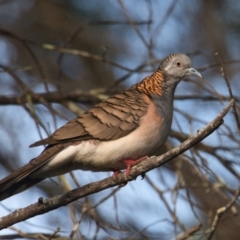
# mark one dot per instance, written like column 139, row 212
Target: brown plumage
column 111, row 119
column 113, row 134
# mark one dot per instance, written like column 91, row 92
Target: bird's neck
column 160, row 90
column 152, row 84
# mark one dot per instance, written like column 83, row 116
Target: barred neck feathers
column 158, row 88
column 152, row 85
column 157, row 84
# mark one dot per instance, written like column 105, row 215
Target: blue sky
column 137, row 202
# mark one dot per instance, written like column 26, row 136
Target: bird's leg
column 130, row 163
column 115, row 172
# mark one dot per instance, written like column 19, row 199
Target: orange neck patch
column 152, row 84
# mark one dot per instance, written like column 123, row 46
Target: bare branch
column 93, row 96
column 219, row 214
column 189, row 232
column 229, row 90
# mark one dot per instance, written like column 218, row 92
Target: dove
column 115, row 134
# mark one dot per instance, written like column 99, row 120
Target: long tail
column 21, row 180
column 9, row 186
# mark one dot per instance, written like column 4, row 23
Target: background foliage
column 58, row 58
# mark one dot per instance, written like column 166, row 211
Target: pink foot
column 130, row 163
column 115, row 173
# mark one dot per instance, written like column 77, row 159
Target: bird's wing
column 111, row 119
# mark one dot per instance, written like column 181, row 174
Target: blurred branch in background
column 59, row 58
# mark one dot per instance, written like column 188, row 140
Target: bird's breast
column 98, row 155
column 145, row 140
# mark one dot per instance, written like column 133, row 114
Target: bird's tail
column 13, row 188
column 22, row 179
column 17, row 182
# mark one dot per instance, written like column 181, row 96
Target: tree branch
column 188, row 233
column 219, row 214
column 89, row 97
column 46, row 205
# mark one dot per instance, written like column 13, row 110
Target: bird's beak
column 193, row 71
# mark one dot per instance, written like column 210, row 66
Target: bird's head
column 177, row 66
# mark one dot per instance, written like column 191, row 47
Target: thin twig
column 188, row 233
column 229, row 90
column 219, row 214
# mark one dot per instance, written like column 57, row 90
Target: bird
column 114, row 135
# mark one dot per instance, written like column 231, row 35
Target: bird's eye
column 178, row 64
